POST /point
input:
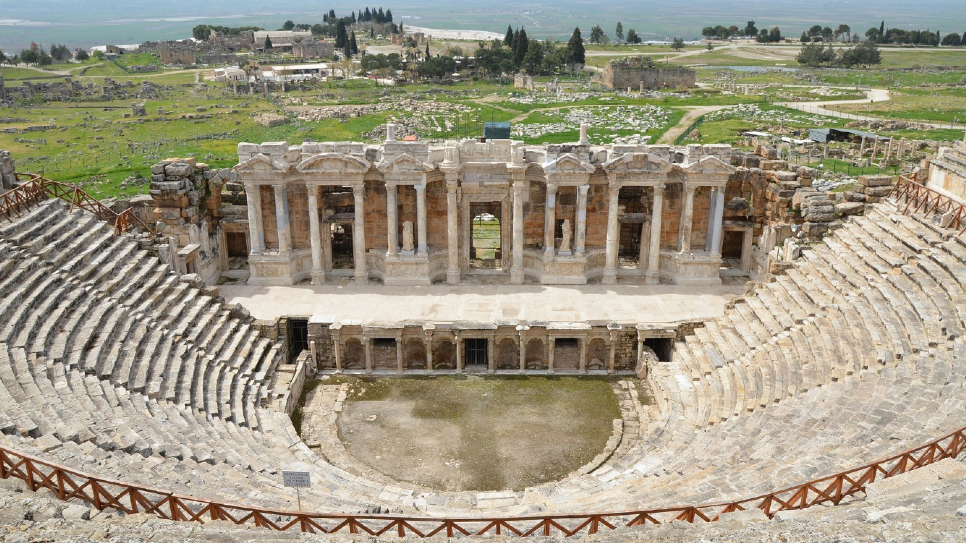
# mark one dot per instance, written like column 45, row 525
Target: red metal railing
column 919, row 198
column 103, row 494
column 36, row 189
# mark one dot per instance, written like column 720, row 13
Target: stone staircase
column 110, row 365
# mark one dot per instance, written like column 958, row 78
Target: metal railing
column 920, row 198
column 36, row 189
column 101, row 493
column 687, row 131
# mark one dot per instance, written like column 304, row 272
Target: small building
column 295, row 72
column 825, row 135
column 640, row 73
column 281, row 39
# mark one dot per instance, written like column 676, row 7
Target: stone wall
column 639, row 73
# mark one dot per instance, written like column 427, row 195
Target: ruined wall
column 637, row 71
column 534, row 216
column 377, row 234
column 436, row 214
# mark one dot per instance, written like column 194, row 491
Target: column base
column 318, row 277
column 453, row 276
column 362, row 279
column 652, row 278
column 609, row 278
column 516, row 276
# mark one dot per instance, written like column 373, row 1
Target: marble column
column 516, row 268
column 368, row 341
column 421, row 218
column 429, row 351
column 582, row 342
column 613, row 353
column 399, row 354
column 551, row 346
column 337, row 348
column 318, row 267
column 746, row 249
column 581, row 238
column 613, row 233
column 654, row 252
column 550, row 224
column 359, row 234
column 523, row 348
column 256, row 233
column 392, row 222
column 452, row 230
column 687, row 218
column 281, row 219
column 459, row 354
column 491, row 354
column 712, row 201
column 717, row 219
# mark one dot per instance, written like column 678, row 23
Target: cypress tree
column 352, row 44
column 575, row 48
column 520, row 45
column 508, row 39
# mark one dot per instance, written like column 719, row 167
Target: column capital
column 279, row 189
column 420, row 188
column 660, row 187
column 551, row 188
column 613, row 190
column 358, row 190
column 583, row 189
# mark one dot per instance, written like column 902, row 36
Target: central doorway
column 486, row 235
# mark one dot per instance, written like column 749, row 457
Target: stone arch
column 353, row 355
column 444, row 355
column 598, row 354
column 535, row 357
column 508, row 355
column 414, row 354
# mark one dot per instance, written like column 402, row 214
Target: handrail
column 38, row 188
column 920, row 197
column 104, row 493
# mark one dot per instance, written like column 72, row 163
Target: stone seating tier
column 109, row 364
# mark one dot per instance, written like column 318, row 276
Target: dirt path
column 693, row 113
column 872, row 96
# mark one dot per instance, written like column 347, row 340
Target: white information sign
column 298, row 479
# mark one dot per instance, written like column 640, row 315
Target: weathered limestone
column 443, row 193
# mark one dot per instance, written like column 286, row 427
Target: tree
column 596, row 34
column 619, row 32
column 520, row 45
column 775, row 35
column 708, row 32
column 354, row 47
column 815, row 31
column 331, row 14
column 60, row 52
column 951, row 39
column 872, row 34
column 750, row 29
column 533, row 60
column 508, row 39
column 288, row 25
column 341, row 36
column 268, row 43
column 827, row 34
column 843, row 30
column 201, row 32
column 815, row 54
column 882, row 28
column 575, row 48
column 677, row 44
column 632, row 36
column 733, row 30
column 45, row 59
column 762, row 36
column 3, row 57
column 29, row 56
column 804, row 38
column 81, row 55
column 864, row 54
column 388, row 16
column 427, row 50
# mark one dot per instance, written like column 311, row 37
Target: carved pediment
column 568, row 164
column 334, row 163
column 260, row 163
column 710, row 165
column 403, row 165
column 642, row 163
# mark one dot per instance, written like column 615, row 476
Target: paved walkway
column 485, row 303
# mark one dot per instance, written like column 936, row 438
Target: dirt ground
column 477, row 433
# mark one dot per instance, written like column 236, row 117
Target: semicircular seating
column 111, row 365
